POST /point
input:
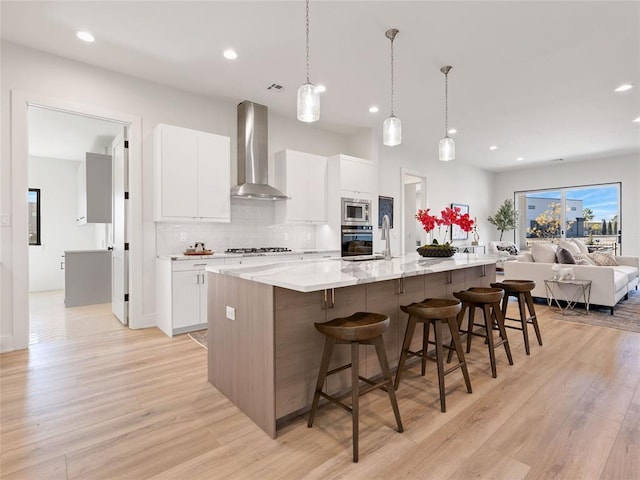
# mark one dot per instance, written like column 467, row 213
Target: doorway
column 414, row 197
column 19, row 259
column 70, row 165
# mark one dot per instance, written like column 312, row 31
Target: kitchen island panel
column 241, row 351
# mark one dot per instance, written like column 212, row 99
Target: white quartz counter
column 312, row 275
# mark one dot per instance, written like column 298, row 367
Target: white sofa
column 609, row 283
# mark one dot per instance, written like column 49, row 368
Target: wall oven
column 356, row 240
column 356, row 212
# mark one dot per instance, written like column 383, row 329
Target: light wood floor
column 136, row 404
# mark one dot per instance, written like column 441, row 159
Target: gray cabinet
column 94, row 189
column 87, row 277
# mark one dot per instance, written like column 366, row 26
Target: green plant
column 506, row 218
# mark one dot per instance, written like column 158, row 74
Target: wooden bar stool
column 436, row 311
column 487, row 300
column 360, row 328
column 521, row 290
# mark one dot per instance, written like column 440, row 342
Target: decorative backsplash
column 252, row 225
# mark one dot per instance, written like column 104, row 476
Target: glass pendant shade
column 308, row 103
column 392, row 131
column 447, row 149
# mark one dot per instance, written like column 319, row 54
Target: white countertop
column 221, row 255
column 314, row 275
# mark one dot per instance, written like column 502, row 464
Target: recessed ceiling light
column 519, row 159
column 321, row 88
column 85, row 36
column 623, row 88
column 374, row 109
column 230, row 54
column 452, row 131
column 637, row 120
column 493, row 147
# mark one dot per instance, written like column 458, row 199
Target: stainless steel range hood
column 253, row 159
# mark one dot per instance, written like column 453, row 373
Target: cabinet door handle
column 203, row 278
column 61, row 265
column 197, row 279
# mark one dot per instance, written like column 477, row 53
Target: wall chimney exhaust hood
column 253, row 159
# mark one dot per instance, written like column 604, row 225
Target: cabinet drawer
column 186, row 265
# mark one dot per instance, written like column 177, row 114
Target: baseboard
column 6, row 343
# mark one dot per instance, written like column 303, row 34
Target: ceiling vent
column 275, row 87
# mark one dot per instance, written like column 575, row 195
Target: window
column 34, row 216
column 590, row 212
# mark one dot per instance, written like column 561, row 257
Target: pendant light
column 392, row 127
column 447, row 147
column 308, row 94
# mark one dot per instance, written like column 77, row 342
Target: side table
column 571, row 292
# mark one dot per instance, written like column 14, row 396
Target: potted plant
column 448, row 217
column 506, row 218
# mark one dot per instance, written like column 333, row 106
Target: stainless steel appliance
column 356, row 240
column 356, row 212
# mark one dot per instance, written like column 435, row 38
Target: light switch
column 231, row 313
column 183, row 236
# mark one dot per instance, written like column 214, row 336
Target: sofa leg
column 611, row 310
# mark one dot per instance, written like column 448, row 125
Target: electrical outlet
column 285, row 236
column 5, row 220
column 231, row 313
column 183, row 236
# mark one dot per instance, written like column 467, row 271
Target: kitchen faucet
column 386, row 236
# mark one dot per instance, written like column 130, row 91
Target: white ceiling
column 534, row 78
column 64, row 136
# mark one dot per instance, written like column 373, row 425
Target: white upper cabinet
column 192, row 175
column 357, row 177
column 303, row 177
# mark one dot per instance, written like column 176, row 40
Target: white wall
column 39, row 73
column 447, row 182
column 58, row 184
column 625, row 169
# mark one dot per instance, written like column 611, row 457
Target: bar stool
column 487, row 300
column 520, row 289
column 360, row 328
column 436, row 311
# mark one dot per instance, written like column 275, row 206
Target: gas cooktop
column 258, row 250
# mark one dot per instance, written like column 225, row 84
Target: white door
column 120, row 247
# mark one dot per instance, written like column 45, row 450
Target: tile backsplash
column 252, row 225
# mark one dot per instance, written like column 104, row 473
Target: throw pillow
column 565, row 256
column 572, row 247
column 543, row 252
column 604, row 259
column 581, row 245
column 508, row 247
column 583, row 259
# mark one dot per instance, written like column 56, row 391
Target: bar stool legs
column 360, row 328
column 437, row 312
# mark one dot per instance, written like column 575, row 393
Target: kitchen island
column 264, row 352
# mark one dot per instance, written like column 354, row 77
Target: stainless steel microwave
column 356, row 212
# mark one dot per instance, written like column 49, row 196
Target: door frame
column 20, row 102
column 423, row 200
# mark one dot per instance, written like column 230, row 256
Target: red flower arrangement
column 448, row 217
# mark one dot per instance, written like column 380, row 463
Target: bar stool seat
column 436, row 311
column 521, row 290
column 360, row 328
column 487, row 300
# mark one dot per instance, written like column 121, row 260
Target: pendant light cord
column 392, row 85
column 446, row 104
column 307, row 13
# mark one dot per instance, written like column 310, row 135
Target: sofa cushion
column 581, row 245
column 583, row 259
column 620, row 280
column 630, row 272
column 543, row 252
column 604, row 259
column 565, row 256
column 572, row 247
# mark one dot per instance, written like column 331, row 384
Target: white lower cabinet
column 181, row 294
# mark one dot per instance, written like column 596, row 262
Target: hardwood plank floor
column 119, row 403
